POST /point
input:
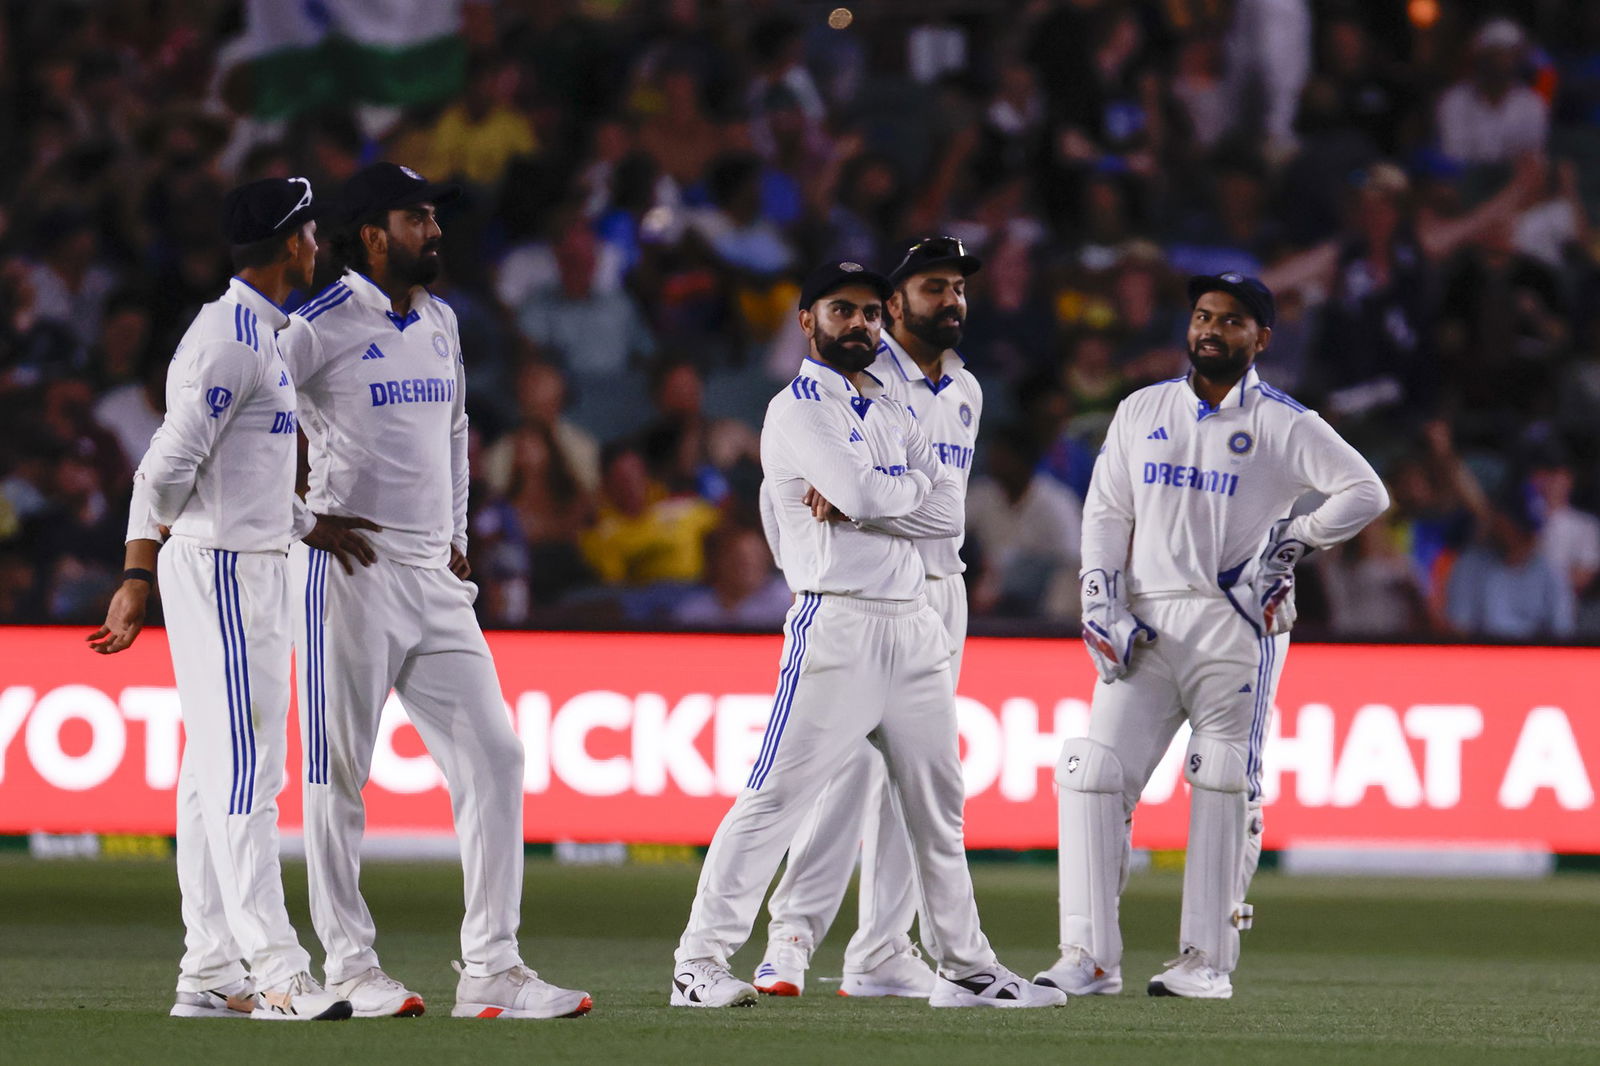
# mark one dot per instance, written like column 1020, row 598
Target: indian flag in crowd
column 301, row 55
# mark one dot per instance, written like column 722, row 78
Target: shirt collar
column 1236, row 396
column 833, row 381
column 368, row 292
column 258, row 302
column 894, row 359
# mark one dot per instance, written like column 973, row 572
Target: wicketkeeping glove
column 1273, row 588
column 1109, row 628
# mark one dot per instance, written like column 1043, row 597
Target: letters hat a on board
column 387, row 186
column 1256, row 297
column 268, row 207
column 836, row 274
column 933, row 252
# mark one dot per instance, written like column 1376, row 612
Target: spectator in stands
column 475, row 138
column 70, row 282
column 1503, row 589
column 1372, row 587
column 1569, row 539
column 1026, row 527
column 1491, row 116
column 642, row 536
column 540, row 392
column 743, row 589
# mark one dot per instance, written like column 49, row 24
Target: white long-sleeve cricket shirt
column 221, row 467
column 949, row 411
column 866, row 455
column 1183, row 493
column 382, row 402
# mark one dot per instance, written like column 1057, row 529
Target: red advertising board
column 646, row 737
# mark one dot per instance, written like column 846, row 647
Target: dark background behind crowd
column 646, row 180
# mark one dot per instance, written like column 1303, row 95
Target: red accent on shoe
column 583, row 1008
column 410, row 1008
column 491, row 1012
column 842, row 992
column 778, row 988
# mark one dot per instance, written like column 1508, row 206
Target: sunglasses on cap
column 305, row 201
column 938, row 246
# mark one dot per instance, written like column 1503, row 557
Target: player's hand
column 458, row 563
column 821, row 509
column 1273, row 589
column 336, row 535
column 124, row 618
column 1110, row 629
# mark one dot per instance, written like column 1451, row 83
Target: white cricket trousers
column 410, row 628
column 855, row 811
column 1207, row 666
column 228, row 626
column 851, row 669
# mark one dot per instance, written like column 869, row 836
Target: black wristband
column 138, row 573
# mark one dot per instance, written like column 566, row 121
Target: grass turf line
column 1338, row 970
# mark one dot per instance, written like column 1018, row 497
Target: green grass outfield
column 1336, row 971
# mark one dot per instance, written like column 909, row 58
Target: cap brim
column 877, row 282
column 441, row 192
column 967, row 264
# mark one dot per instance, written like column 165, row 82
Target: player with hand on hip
column 918, row 365
column 1187, row 593
column 219, row 474
column 379, row 363
column 850, row 482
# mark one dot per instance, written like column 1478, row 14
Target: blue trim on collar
column 259, row 293
column 402, row 321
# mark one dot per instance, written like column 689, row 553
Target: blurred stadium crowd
column 646, row 180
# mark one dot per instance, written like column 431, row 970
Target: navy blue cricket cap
column 1256, row 297
column 836, row 274
column 387, row 186
column 267, row 208
column 931, row 252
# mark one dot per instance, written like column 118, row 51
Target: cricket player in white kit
column 379, row 363
column 1186, row 616
column 219, row 474
column 864, row 656
column 919, row 367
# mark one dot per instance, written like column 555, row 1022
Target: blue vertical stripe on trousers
column 236, row 679
column 788, row 681
column 1261, row 714
column 316, row 693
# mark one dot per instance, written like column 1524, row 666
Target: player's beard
column 1225, row 368
column 940, row 331
column 840, row 354
column 418, row 268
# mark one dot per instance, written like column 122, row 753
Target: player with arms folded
column 1187, row 592
column 851, row 481
column 919, row 367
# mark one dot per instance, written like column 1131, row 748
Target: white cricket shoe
column 901, row 974
column 515, row 993
column 1191, row 976
column 993, row 987
column 1078, row 974
column 783, row 968
column 301, row 1000
column 374, row 994
column 705, row 983
column 236, row 999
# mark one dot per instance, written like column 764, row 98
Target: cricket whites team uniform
column 863, row 655
column 1195, row 489
column 220, row 473
column 855, row 808
column 383, row 407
